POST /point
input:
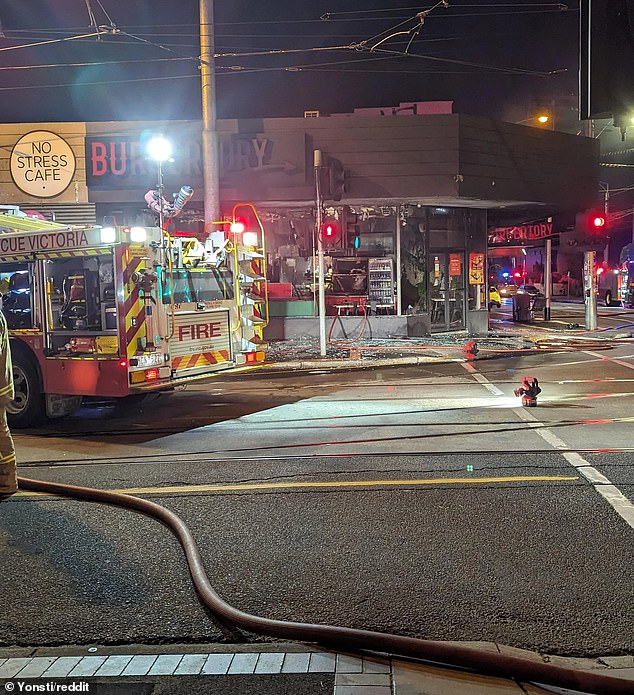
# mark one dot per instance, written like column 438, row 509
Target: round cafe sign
column 42, row 164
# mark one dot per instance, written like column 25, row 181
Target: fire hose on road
column 331, row 636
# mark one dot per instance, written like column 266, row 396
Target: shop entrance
column 447, row 291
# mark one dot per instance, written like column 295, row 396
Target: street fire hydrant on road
column 529, row 390
column 470, row 350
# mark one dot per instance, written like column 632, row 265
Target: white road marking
column 611, row 359
column 481, row 379
column 610, row 493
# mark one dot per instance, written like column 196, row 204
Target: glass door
column 447, row 291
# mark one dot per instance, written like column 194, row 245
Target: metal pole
column 548, row 279
column 209, row 135
column 160, row 187
column 589, row 287
column 606, row 210
column 317, row 163
column 398, row 261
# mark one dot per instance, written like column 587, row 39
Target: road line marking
column 487, row 384
column 611, row 359
column 170, row 490
column 610, row 493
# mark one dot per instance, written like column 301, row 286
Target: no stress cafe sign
column 42, row 164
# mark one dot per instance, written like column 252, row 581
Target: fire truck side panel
column 85, row 377
column 134, row 333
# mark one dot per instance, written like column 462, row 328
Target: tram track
column 203, row 457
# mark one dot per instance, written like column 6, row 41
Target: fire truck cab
column 117, row 311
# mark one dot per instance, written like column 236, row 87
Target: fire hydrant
column 529, row 391
column 470, row 350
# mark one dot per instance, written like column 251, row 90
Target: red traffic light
column 330, row 230
column 595, row 221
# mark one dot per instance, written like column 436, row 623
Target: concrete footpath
column 266, row 668
column 304, row 353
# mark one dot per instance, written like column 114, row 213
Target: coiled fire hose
column 346, row 639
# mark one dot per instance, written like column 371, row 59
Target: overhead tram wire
column 466, row 63
column 100, row 32
column 360, row 46
column 557, row 5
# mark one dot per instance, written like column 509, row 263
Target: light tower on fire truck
column 160, row 150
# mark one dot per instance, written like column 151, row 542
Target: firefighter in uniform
column 8, row 473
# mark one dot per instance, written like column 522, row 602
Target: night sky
column 515, row 45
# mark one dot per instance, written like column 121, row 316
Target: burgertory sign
column 525, row 232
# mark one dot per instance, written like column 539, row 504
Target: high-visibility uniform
column 8, row 480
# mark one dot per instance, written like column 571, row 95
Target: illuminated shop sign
column 525, row 232
column 42, row 164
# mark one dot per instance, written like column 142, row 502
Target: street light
column 541, row 118
column 160, row 150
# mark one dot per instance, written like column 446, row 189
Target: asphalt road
column 423, row 501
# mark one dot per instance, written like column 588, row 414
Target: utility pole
column 589, row 290
column 548, row 278
column 606, row 210
column 210, row 137
column 317, row 164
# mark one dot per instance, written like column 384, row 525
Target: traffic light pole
column 317, row 163
column 548, row 279
column 589, row 290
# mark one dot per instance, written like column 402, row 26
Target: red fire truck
column 616, row 285
column 117, row 311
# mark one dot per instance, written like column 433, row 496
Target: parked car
column 494, row 297
column 529, row 289
column 508, row 289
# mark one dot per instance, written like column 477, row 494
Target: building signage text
column 119, row 161
column 526, row 232
column 455, row 264
column 42, row 164
column 200, row 331
column 20, row 245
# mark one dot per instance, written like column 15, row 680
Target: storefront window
column 447, row 228
column 414, row 294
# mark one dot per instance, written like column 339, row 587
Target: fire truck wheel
column 608, row 298
column 27, row 408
